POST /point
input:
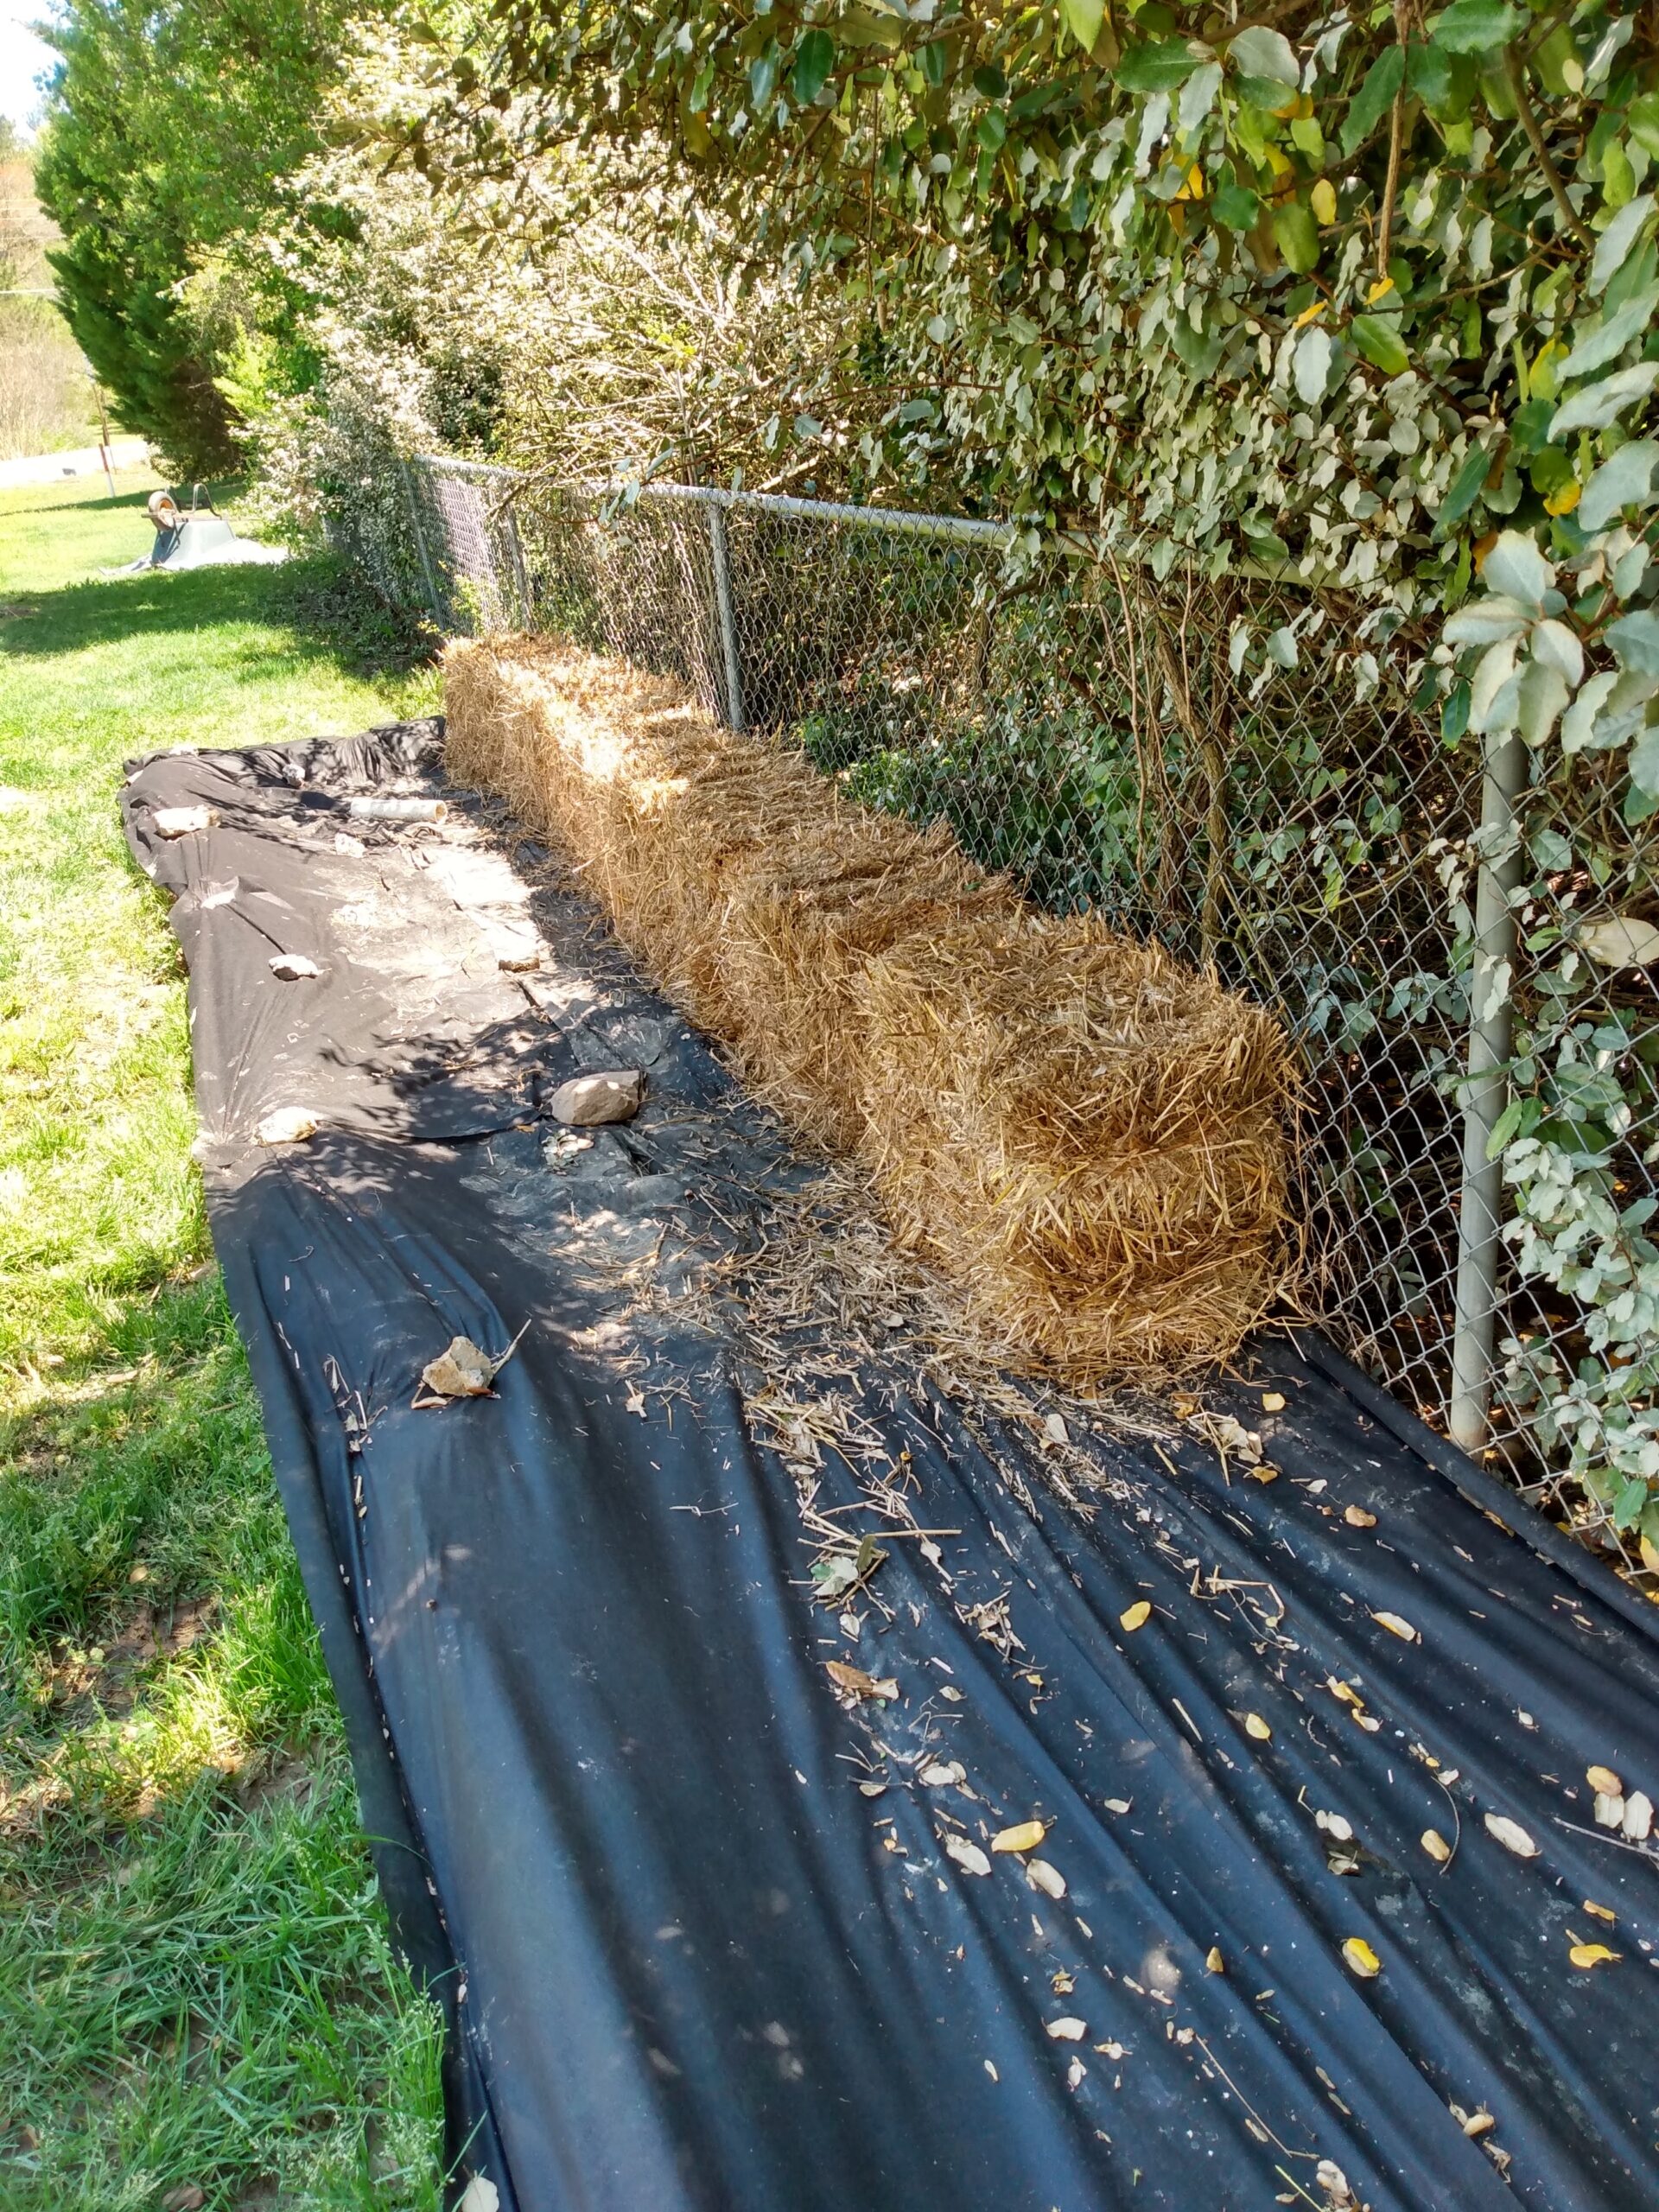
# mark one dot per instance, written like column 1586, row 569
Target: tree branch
column 1569, row 214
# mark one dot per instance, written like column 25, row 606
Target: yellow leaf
column 1603, row 1782
column 1397, row 1626
column 1277, row 161
column 1357, row 1517
column 1024, row 1837
column 1309, row 314
column 1137, row 1615
column 1601, row 1911
column 1593, row 1954
column 1272, row 1402
column 1214, row 1963
column 1323, row 199
column 1379, row 290
column 1649, row 1552
column 1256, row 1726
column 1436, row 1845
column 1564, row 501
column 1362, row 1958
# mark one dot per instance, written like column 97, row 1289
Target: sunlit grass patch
column 196, row 1985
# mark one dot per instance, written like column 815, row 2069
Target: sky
column 23, row 57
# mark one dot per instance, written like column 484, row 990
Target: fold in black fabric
column 688, row 1960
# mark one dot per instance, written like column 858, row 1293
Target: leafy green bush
column 168, row 129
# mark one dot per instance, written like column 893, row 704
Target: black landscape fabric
column 716, row 1930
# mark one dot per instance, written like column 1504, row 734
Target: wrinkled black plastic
column 687, row 1962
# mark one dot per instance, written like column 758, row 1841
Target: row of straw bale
column 1089, row 1137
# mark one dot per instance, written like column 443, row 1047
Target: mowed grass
column 197, row 1990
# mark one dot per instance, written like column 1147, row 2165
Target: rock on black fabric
column 688, row 1961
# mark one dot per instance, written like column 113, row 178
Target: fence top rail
column 492, row 471
column 900, row 520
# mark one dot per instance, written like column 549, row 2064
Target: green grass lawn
column 196, row 1987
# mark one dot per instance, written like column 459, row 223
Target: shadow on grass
column 328, row 611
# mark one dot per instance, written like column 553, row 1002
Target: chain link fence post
column 1485, row 1093
column 721, row 551
column 432, row 599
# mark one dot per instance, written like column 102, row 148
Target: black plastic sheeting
column 687, row 1961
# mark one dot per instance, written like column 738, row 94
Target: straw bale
column 1086, row 1136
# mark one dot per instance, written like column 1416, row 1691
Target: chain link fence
column 1223, row 764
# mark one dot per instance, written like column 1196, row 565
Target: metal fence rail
column 1209, row 760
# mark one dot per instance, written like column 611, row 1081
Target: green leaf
column 1454, row 712
column 1297, row 236
column 990, row 83
column 763, row 77
column 1429, row 75
column 991, row 129
column 933, row 64
column 1160, row 65
column 1503, row 1129
column 1082, row 18
column 814, row 57
column 1265, row 544
column 1464, row 492
column 1475, row 26
column 1643, row 120
column 1267, row 93
column 1379, row 342
column 1235, row 207
column 1373, row 99
column 1259, row 53
column 1627, row 1506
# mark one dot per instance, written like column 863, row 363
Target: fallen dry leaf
column 1213, row 1962
column 1586, row 1955
column 872, row 1789
column 968, row 1856
column 1477, row 2124
column 1256, row 1726
column 293, row 967
column 1075, row 2072
column 1024, row 1836
column 857, row 1683
column 1272, row 1402
column 942, row 1774
column 1397, row 1624
column 1436, row 1845
column 1608, row 1810
column 1136, row 1617
column 1117, row 1804
column 479, row 2195
column 1049, row 1879
column 1638, row 1817
column 1357, row 1517
column 1362, row 1958
column 188, row 2199
column 1511, row 1835
column 1067, row 2029
column 1601, row 1911
column 1056, row 1430
column 1603, row 1782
